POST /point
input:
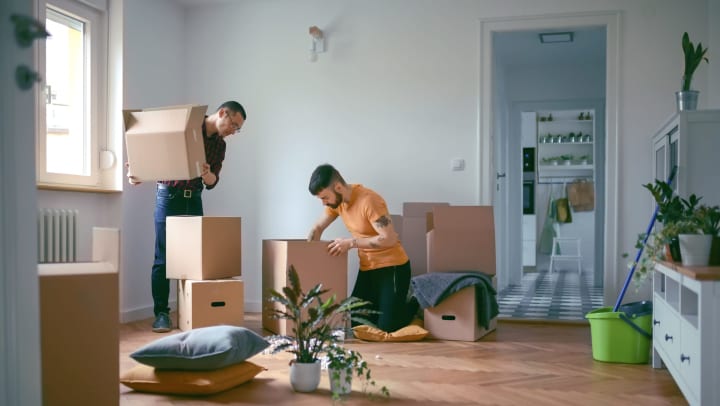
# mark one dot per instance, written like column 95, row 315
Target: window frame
column 104, row 168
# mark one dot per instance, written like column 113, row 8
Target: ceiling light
column 555, row 37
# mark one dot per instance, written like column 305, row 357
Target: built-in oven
column 529, row 196
column 528, row 180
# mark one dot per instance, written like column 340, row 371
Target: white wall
column 393, row 99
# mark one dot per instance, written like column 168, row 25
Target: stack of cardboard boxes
column 458, row 239
column 313, row 264
column 204, row 254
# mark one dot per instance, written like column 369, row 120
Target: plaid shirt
column 214, row 155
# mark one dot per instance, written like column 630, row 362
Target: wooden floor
column 520, row 364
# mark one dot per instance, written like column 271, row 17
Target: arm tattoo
column 383, row 221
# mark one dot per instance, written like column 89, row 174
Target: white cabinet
column 690, row 140
column 529, row 238
column 566, row 145
column 686, row 329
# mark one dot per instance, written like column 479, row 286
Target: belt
column 187, row 193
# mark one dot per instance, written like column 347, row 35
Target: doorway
column 517, row 77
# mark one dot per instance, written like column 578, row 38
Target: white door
column 19, row 308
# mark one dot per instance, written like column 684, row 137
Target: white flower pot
column 305, row 377
column 342, row 385
column 695, row 249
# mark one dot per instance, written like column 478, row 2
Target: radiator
column 57, row 235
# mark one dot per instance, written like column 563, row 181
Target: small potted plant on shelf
column 686, row 97
column 314, row 321
column 344, row 363
column 696, row 241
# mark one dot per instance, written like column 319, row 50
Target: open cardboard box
column 165, row 143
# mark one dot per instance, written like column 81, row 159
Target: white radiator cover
column 57, row 235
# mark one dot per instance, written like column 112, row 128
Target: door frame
column 488, row 124
column 20, row 372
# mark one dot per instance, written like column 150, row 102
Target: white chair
column 566, row 249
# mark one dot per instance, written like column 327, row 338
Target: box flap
column 477, row 218
column 419, row 209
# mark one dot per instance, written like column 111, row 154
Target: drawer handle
column 656, row 322
column 684, row 358
column 668, row 337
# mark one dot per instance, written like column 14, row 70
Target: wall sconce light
column 318, row 42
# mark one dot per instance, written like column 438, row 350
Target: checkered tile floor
column 562, row 295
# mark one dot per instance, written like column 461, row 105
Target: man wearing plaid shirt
column 184, row 197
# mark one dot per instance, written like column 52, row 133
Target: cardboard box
column 203, row 247
column 414, row 229
column 165, row 143
column 79, row 325
column 313, row 264
column 461, row 238
column 396, row 220
column 210, row 303
column 455, row 318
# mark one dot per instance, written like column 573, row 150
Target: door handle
column 500, row 175
column 28, row 29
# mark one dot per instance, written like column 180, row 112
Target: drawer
column 689, row 361
column 666, row 331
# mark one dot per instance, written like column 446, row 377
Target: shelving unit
column 686, row 329
column 562, row 134
column 690, row 140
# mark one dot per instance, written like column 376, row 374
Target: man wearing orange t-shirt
column 384, row 277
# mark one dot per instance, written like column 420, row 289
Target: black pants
column 387, row 289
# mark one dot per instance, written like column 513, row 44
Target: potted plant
column 314, row 320
column 344, row 363
column 696, row 242
column 675, row 216
column 686, row 97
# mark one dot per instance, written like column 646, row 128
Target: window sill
column 77, row 188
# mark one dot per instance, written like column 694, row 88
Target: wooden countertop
column 701, row 273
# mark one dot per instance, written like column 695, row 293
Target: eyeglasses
column 235, row 126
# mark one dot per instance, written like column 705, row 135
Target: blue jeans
column 168, row 202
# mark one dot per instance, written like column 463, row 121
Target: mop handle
column 642, row 246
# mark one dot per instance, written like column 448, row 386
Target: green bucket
column 624, row 336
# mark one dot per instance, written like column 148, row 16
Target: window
column 74, row 146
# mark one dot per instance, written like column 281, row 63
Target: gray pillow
column 202, row 348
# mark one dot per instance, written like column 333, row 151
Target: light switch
column 457, row 164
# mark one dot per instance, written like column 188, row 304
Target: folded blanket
column 432, row 288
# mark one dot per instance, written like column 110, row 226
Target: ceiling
column 523, row 48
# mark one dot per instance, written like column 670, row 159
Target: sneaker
column 162, row 323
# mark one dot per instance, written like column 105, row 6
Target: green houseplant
column 314, row 320
column 344, row 363
column 676, row 216
column 693, row 56
column 687, row 98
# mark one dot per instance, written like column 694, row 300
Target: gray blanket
column 432, row 288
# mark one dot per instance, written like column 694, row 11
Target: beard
column 338, row 200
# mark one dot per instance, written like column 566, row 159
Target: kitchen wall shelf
column 558, row 139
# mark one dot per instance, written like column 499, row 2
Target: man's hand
column 207, row 176
column 340, row 246
column 131, row 179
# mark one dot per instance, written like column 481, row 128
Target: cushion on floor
column 143, row 378
column 408, row 333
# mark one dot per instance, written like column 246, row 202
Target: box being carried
column 165, row 143
column 203, row 247
column 313, row 264
column 210, row 303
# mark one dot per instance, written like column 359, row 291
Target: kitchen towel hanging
column 563, row 209
column 582, row 195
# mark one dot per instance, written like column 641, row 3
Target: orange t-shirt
column 366, row 207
